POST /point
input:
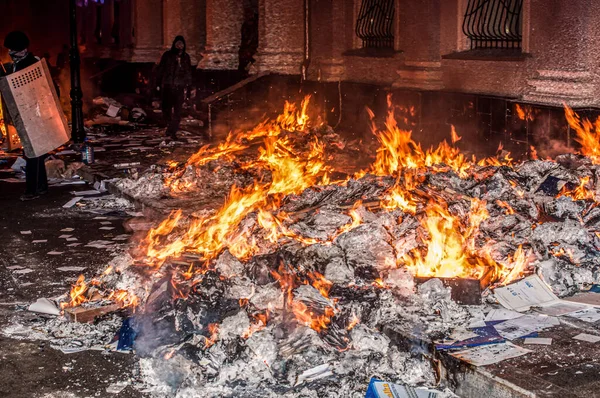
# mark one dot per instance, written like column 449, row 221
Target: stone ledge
column 500, row 55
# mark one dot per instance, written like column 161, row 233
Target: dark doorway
column 249, row 44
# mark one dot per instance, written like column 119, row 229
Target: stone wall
column 558, row 62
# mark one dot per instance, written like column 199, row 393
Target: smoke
column 549, row 137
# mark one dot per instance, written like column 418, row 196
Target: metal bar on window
column 374, row 25
column 494, row 23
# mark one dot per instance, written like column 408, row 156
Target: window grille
column 494, row 23
column 375, row 23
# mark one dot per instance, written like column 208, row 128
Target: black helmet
column 16, row 41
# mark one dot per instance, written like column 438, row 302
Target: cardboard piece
column 383, row 389
column 35, row 110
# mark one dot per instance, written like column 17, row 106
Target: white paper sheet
column 490, row 354
column 590, row 338
column 72, row 202
column 525, row 325
column 501, row 314
column 591, row 314
column 538, row 341
column 533, row 292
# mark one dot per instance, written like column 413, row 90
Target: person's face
column 179, row 45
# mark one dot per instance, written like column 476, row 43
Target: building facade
column 539, row 51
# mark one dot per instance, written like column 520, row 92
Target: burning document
column 533, row 292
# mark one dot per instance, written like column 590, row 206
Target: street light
column 77, row 129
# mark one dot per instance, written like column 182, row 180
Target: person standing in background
column 36, row 182
column 174, row 78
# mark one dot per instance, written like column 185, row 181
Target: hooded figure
column 174, row 77
column 36, row 182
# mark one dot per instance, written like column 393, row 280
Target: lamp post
column 77, row 129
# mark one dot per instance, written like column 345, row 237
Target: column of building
column 223, row 34
column 281, row 36
column 419, row 40
column 564, row 42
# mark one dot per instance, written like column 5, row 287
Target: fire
column 213, row 329
column 565, row 253
column 524, row 113
column 588, row 134
column 400, row 196
column 77, row 293
column 581, row 192
column 449, row 244
column 515, row 267
column 304, row 315
column 80, row 291
column 353, row 322
column 508, row 208
column 124, row 298
column 455, row 137
column 260, row 322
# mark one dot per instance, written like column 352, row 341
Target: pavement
column 31, row 368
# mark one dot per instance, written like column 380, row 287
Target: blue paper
column 127, row 335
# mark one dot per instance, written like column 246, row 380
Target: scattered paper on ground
column 587, row 337
column 591, row 314
column 538, row 340
column 490, row 354
column 525, row 325
column 532, row 291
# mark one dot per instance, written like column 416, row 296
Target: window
column 374, row 25
column 494, row 23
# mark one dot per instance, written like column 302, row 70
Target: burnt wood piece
column 86, row 315
column 466, row 291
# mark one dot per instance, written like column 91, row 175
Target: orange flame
column 582, row 192
column 588, row 134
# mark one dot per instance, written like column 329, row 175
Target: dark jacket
column 174, row 69
column 29, row 60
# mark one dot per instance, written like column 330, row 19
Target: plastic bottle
column 87, row 153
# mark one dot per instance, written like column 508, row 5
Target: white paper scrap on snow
column 107, row 228
column 525, row 325
column 64, row 236
column 70, row 204
column 587, row 337
column 25, row 232
column 71, row 239
column 70, row 268
column 44, row 306
column 105, row 222
column 117, row 388
column 86, row 193
column 533, row 292
column 490, row 354
column 112, row 111
column 590, row 315
column 23, row 271
column 538, row 340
